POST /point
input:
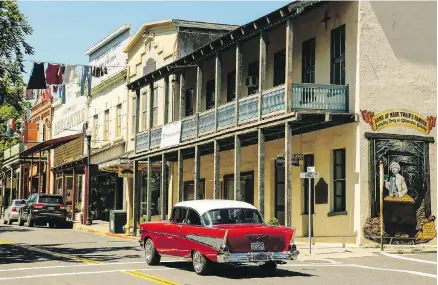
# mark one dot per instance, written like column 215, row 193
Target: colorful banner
column 399, row 118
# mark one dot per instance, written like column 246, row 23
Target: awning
column 49, row 144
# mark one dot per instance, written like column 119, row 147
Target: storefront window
column 58, row 184
column 189, row 190
column 78, row 198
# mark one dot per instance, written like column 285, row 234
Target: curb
column 102, row 233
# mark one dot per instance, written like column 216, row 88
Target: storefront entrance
column 106, row 195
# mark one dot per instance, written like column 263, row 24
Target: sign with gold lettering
column 399, row 118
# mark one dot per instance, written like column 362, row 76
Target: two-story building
column 242, row 116
column 155, row 45
column 107, row 118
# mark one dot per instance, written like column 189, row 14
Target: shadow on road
column 238, row 272
column 9, row 229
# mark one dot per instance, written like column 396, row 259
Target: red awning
column 50, row 144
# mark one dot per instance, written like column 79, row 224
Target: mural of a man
column 396, row 184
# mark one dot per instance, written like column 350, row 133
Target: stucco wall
column 396, row 70
column 321, row 144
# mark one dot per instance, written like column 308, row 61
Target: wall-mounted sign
column 297, row 159
column 399, row 118
column 126, row 172
column 170, row 134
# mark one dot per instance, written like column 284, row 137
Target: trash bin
column 117, row 221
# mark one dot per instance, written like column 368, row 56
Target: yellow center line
column 151, row 278
column 135, row 273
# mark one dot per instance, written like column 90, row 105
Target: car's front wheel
column 201, row 265
column 151, row 254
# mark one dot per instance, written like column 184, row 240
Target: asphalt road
column 45, row 256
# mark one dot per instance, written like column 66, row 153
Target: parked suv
column 41, row 209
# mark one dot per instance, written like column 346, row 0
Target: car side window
column 33, row 199
column 193, row 218
column 178, row 215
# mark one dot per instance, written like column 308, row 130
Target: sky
column 64, row 30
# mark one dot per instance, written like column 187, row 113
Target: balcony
column 13, row 151
column 305, row 97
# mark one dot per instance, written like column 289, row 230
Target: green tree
column 13, row 46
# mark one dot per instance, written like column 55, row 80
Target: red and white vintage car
column 218, row 231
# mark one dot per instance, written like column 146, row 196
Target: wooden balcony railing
column 305, row 96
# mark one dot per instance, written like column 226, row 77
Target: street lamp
column 88, row 135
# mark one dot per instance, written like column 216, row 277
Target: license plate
column 257, row 246
column 51, row 208
column 261, row 257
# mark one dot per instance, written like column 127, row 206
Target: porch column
column 182, row 97
column 12, row 185
column 63, row 185
column 48, row 171
column 261, row 172
column 238, row 82
column 288, row 71
column 163, row 188
column 150, row 115
column 237, row 192
column 73, row 200
column 20, row 183
column 137, row 117
column 180, row 175
column 217, row 87
column 148, row 191
column 262, row 71
column 39, row 173
column 166, row 100
column 135, row 198
column 86, row 189
column 198, row 96
column 197, row 170
column 199, row 80
column 288, row 174
column 30, row 174
column 216, row 169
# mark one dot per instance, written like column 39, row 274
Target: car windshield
column 19, row 202
column 50, row 199
column 232, row 216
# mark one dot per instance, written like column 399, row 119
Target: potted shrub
column 273, row 222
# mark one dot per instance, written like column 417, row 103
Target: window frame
column 106, row 125
column 95, row 127
column 189, row 93
column 119, row 120
column 308, row 54
column 279, row 71
column 342, row 181
column 231, row 86
column 337, row 40
column 252, row 67
column 209, row 94
column 154, row 106
column 187, row 183
column 144, row 104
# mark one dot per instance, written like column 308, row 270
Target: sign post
column 310, row 174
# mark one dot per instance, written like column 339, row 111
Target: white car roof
column 203, row 206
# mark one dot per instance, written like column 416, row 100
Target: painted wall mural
column 406, row 194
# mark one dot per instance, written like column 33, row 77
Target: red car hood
column 240, row 237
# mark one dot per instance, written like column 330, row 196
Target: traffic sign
column 309, row 174
column 311, row 169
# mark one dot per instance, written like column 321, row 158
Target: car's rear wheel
column 20, row 221
column 51, row 225
column 269, row 268
column 30, row 222
column 201, row 265
column 151, row 255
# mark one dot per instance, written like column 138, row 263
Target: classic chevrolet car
column 218, row 231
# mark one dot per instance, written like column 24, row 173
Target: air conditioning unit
column 251, row 81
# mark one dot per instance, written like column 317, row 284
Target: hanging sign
column 397, row 117
column 125, row 172
column 170, row 134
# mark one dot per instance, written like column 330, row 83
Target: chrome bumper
column 224, row 257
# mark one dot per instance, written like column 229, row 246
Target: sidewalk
column 100, row 228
